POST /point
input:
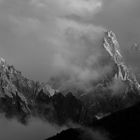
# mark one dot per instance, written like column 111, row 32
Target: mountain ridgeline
column 22, row 98
column 113, row 48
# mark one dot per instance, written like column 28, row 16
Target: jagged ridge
column 113, row 48
column 35, row 98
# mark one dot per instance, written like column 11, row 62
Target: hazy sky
column 38, row 35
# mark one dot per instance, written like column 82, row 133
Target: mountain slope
column 118, row 89
column 20, row 95
column 12, row 102
column 121, row 125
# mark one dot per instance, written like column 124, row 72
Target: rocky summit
column 113, row 48
column 21, row 97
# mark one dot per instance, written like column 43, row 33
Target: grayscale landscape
column 69, row 69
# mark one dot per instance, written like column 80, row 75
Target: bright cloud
column 80, row 7
column 67, row 7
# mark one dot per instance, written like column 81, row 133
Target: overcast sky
column 36, row 35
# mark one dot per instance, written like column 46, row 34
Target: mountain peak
column 47, row 89
column 112, row 46
column 2, row 61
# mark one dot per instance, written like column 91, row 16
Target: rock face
column 59, row 109
column 112, row 47
column 105, row 98
column 12, row 101
column 17, row 93
column 21, row 98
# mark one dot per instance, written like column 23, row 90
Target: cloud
column 36, row 129
column 76, row 44
column 49, row 40
column 41, row 37
column 66, row 7
column 78, row 49
column 81, row 7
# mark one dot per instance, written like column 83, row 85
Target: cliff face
column 12, row 81
column 113, row 48
column 13, row 103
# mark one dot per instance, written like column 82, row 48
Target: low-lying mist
column 35, row 129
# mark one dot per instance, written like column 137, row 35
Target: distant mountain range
column 22, row 98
